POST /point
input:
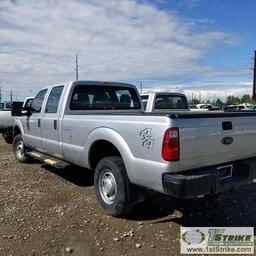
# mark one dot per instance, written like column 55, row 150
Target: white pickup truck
column 164, row 101
column 7, row 120
column 103, row 126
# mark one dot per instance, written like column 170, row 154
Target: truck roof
column 163, row 93
column 92, row 82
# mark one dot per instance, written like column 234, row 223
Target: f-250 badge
column 146, row 138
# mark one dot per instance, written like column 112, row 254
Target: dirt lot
column 44, row 211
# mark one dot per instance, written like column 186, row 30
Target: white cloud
column 115, row 40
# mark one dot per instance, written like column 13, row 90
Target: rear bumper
column 207, row 181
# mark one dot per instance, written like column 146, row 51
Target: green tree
column 194, row 102
column 231, row 99
column 246, row 98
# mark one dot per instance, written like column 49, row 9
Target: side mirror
column 16, row 109
column 26, row 111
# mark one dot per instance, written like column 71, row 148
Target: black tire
column 8, row 138
column 111, row 172
column 19, row 149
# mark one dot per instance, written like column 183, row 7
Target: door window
column 53, row 100
column 37, row 103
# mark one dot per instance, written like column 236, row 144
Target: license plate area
column 225, row 171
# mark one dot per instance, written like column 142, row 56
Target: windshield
column 171, row 102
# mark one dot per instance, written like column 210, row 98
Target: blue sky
column 197, row 46
column 236, row 18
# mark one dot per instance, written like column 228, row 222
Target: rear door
column 32, row 126
column 211, row 141
column 51, row 137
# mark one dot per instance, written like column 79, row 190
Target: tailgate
column 6, row 119
column 211, row 141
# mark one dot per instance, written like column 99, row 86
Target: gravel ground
column 44, row 211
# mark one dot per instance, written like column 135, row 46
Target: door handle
column 39, row 122
column 55, row 124
column 226, row 126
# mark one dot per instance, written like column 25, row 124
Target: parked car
column 5, row 106
column 7, row 120
column 161, row 101
column 102, row 126
column 240, row 107
column 205, row 106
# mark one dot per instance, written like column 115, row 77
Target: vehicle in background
column 5, row 106
column 164, row 101
column 240, row 107
column 247, row 106
column 7, row 120
column 102, row 126
column 204, row 107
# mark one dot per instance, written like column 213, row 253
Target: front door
column 32, row 132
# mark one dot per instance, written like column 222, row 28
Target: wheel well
column 101, row 149
column 16, row 131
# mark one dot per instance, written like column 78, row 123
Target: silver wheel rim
column 107, row 186
column 20, row 149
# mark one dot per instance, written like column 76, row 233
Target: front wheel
column 19, row 149
column 112, row 186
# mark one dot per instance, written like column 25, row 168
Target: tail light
column 171, row 145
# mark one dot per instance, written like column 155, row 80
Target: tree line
column 230, row 100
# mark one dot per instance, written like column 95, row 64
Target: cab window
column 53, row 100
column 37, row 103
column 87, row 97
column 171, row 102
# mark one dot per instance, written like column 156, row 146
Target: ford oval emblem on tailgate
column 227, row 140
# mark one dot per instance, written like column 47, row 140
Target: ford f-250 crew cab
column 102, row 126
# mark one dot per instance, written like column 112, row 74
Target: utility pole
column 76, row 67
column 140, row 87
column 254, row 77
column 0, row 94
column 11, row 95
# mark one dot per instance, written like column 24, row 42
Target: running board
column 55, row 162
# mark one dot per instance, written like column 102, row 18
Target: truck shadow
column 77, row 175
column 237, row 210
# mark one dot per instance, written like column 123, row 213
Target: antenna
column 76, row 69
column 11, row 95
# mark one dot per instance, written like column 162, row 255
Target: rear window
column 87, row 97
column 171, row 102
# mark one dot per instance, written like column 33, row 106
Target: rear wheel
column 19, row 149
column 112, row 186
